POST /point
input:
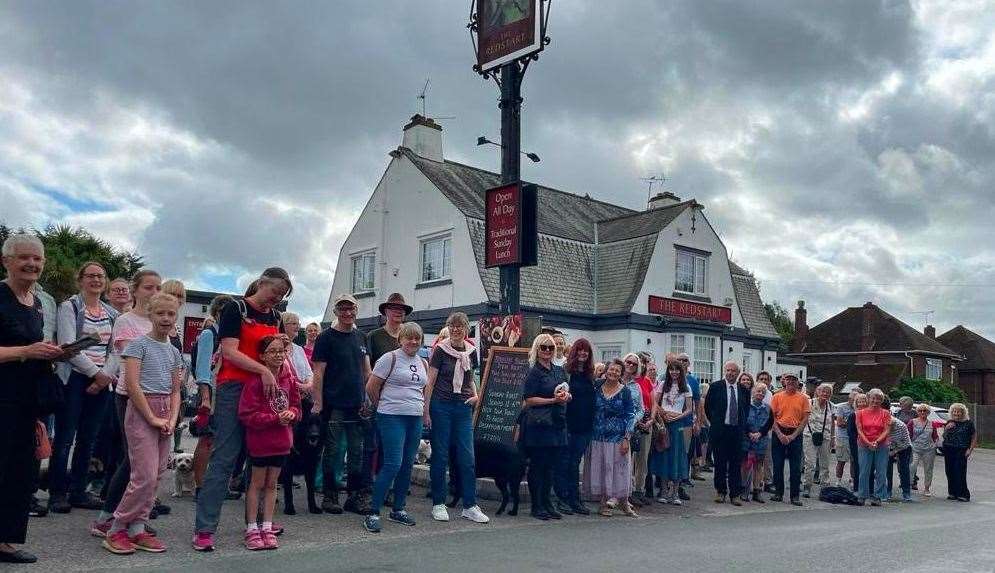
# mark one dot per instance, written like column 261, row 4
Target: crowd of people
column 102, row 374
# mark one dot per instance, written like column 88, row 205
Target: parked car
column 935, row 415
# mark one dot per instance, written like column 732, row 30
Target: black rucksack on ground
column 837, row 495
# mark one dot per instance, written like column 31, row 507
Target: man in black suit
column 726, row 406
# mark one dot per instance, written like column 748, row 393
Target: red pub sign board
column 507, row 30
column 693, row 310
column 509, row 225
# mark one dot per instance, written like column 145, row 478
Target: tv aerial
column 423, row 96
column 651, row 181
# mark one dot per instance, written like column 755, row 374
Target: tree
column 66, row 248
column 781, row 319
column 921, row 389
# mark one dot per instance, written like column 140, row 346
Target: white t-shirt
column 403, row 391
column 674, row 400
column 302, row 366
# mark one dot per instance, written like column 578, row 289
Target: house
column 976, row 374
column 654, row 280
column 866, row 344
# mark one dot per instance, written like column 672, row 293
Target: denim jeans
column 452, row 423
column 79, row 419
column 568, row 467
column 337, row 424
column 876, row 459
column 399, row 439
column 228, row 438
column 793, row 453
column 903, row 459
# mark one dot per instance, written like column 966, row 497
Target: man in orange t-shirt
column 791, row 410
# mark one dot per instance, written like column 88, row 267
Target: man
column 843, row 413
column 726, row 406
column 341, row 368
column 820, row 428
column 791, row 409
column 906, row 413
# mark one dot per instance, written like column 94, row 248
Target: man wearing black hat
column 384, row 339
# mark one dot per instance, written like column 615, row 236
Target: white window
column 436, row 258
column 363, row 271
column 610, row 352
column 704, row 358
column 934, row 369
column 691, row 273
column 748, row 362
column 678, row 344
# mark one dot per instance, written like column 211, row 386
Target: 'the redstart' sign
column 693, row 310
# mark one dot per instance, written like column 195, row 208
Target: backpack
column 838, row 495
column 193, row 348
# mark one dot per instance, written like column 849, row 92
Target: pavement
column 931, row 535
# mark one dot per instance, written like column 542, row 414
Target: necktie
column 733, row 406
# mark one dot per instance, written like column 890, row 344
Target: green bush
column 922, row 390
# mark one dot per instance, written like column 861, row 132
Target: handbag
column 661, row 437
column 819, row 437
column 43, row 446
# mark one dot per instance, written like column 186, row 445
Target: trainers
column 401, row 517
column 100, row 528
column 269, row 539
column 254, row 540
column 475, row 515
column 372, row 523
column 118, row 543
column 665, row 500
column 36, row 509
column 330, row 503
column 676, row 501
column 440, row 513
column 203, row 541
column 59, row 504
column 148, row 542
column 276, row 528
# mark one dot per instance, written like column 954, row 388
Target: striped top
column 100, row 325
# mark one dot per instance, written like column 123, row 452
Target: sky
column 844, row 151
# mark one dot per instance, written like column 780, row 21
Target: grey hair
column 826, row 385
column 14, row 241
column 875, row 392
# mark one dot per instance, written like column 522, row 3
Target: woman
column 119, row 295
column 311, row 334
column 756, row 441
column 450, row 398
column 243, row 324
column 873, row 429
column 608, row 465
column 178, row 291
column 580, row 424
column 545, row 432
column 672, row 404
column 924, row 437
column 299, row 359
column 704, row 435
column 900, row 456
column 643, row 493
column 82, row 414
column 820, row 428
column 959, row 441
column 130, row 326
column 860, row 402
column 641, row 423
column 599, row 370
column 25, row 363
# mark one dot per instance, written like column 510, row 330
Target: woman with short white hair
column 959, row 440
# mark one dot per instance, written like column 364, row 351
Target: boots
column 330, row 503
column 537, row 510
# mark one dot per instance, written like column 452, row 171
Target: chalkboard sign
column 501, row 395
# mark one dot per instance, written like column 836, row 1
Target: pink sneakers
column 203, row 541
column 100, row 528
column 269, row 539
column 254, row 540
column 148, row 542
column 118, row 543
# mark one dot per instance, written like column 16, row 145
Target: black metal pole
column 511, row 116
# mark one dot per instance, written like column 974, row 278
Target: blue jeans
column 568, row 467
column 79, row 419
column 399, row 439
column 878, row 459
column 452, row 423
column 228, row 437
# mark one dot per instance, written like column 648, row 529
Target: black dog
column 506, row 466
column 303, row 459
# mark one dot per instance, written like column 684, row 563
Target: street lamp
column 484, row 141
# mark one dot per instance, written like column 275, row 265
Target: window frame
column 683, row 348
column 612, row 349
column 698, row 365
column 447, row 246
column 353, row 259
column 932, row 363
column 698, row 265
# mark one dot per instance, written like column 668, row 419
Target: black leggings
column 122, row 475
column 542, row 461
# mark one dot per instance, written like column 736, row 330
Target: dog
column 182, row 466
column 303, row 460
column 506, row 466
column 424, row 452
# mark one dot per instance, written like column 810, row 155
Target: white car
column 935, row 415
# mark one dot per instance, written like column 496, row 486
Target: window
column 692, row 273
column 436, row 258
column 363, row 267
column 704, row 358
column 934, row 369
column 678, row 344
column 610, row 352
column 748, row 362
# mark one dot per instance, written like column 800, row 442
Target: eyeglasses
column 546, row 348
column 94, row 276
column 121, row 290
column 453, row 327
column 346, row 309
column 276, row 352
column 631, row 363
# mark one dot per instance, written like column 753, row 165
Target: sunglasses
column 546, row 348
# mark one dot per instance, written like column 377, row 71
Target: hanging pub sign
column 510, row 236
column 692, row 310
column 507, row 30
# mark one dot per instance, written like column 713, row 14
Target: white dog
column 182, row 465
column 424, row 452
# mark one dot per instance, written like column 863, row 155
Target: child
column 152, row 374
column 268, row 437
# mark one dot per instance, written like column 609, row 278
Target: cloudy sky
column 844, row 150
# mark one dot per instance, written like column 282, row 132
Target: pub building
column 655, row 280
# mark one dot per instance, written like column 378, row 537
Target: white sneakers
column 473, row 514
column 440, row 513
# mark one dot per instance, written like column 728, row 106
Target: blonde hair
column 161, row 298
column 410, row 330
column 961, row 407
column 175, row 288
column 284, row 316
column 826, row 385
column 458, row 318
column 543, row 338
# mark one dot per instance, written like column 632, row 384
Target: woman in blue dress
column 756, row 436
column 608, row 465
column 672, row 404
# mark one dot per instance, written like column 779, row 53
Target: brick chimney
column 929, row 331
column 801, row 328
column 665, row 199
column 423, row 137
column 869, row 318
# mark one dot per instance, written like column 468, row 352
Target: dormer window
column 691, row 274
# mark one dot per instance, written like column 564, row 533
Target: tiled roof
column 870, row 375
column 842, row 333
column 751, row 306
column 622, row 267
column 978, row 351
column 640, row 223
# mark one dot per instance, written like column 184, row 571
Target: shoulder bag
column 819, row 437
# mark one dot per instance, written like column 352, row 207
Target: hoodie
column 264, row 435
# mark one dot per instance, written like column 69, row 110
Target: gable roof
column 751, row 306
column 843, row 332
column 640, row 223
column 978, row 351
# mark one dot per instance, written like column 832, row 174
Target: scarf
column 462, row 365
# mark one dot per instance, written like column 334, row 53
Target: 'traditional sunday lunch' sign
column 510, row 225
column 693, row 310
